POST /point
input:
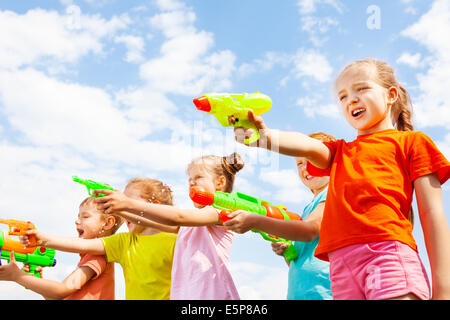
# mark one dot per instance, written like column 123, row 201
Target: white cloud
column 412, row 60
column 51, row 112
column 186, row 64
column 170, row 4
column 310, row 6
column 269, row 61
column 48, row 113
column 39, row 34
column 318, row 26
column 304, row 63
column 431, row 106
column 411, row 10
column 258, row 282
column 314, row 108
column 288, row 186
column 312, row 63
column 444, row 146
column 135, row 47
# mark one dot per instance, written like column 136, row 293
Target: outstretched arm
column 49, row 289
column 288, row 143
column 116, row 201
column 76, row 245
column 436, row 232
column 147, row 222
column 303, row 230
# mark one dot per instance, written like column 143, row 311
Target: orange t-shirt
column 371, row 187
column 101, row 285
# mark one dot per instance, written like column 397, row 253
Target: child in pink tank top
column 200, row 268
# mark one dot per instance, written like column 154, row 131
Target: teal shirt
column 309, row 277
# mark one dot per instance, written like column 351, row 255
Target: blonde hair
column 152, row 189
column 385, row 77
column 324, row 137
column 226, row 166
column 89, row 202
column 401, row 108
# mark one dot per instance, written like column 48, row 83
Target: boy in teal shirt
column 309, row 277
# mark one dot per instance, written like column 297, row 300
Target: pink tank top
column 200, row 265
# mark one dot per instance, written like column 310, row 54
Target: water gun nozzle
column 202, row 103
column 201, row 196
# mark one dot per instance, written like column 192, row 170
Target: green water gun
column 226, row 105
column 228, row 202
column 92, row 185
column 37, row 256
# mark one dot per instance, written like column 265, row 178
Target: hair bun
column 233, row 163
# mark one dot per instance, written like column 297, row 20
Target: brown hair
column 152, row 189
column 385, row 77
column 89, row 202
column 226, row 166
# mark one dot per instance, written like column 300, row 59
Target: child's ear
column 110, row 222
column 220, row 183
column 392, row 95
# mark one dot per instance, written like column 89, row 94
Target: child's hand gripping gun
column 32, row 255
column 229, row 202
column 226, row 105
column 92, row 185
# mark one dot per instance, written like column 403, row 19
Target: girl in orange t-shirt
column 93, row 279
column 366, row 232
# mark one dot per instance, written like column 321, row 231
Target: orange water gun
column 31, row 255
column 20, row 228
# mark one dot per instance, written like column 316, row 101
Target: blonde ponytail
column 403, row 109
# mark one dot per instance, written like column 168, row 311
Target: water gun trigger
column 223, row 215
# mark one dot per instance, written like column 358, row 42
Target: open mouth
column 358, row 112
column 80, row 232
column 308, row 177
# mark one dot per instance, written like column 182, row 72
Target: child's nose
column 353, row 100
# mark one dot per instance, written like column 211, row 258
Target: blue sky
column 104, row 89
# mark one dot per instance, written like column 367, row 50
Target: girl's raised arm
column 436, row 232
column 305, row 230
column 116, row 201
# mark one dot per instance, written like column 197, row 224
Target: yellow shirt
column 146, row 261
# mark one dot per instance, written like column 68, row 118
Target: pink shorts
column 377, row 271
